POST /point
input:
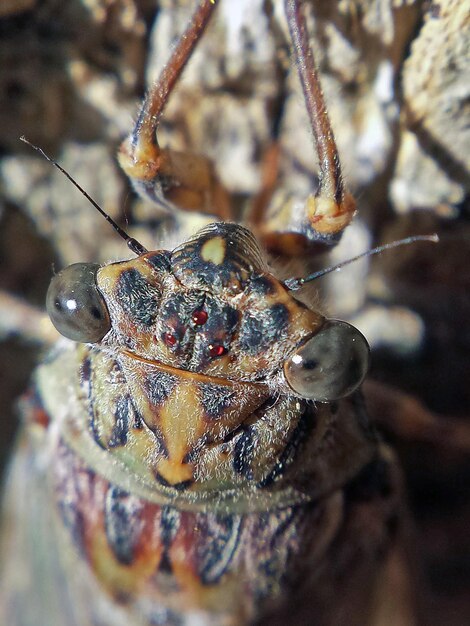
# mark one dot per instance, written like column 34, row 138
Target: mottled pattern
column 109, row 423
column 243, row 453
column 159, row 261
column 176, row 559
column 217, row 547
column 206, row 410
column 158, row 386
column 137, row 298
column 191, row 434
column 262, row 285
column 169, row 523
column 240, row 259
column 163, row 562
column 305, row 426
column 210, row 307
column 216, row 399
column 259, row 331
column 214, row 554
column 175, row 318
column 121, row 427
column 120, row 513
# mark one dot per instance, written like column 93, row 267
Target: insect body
column 188, row 457
column 186, row 398
column 205, row 447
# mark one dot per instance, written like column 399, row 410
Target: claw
column 329, row 217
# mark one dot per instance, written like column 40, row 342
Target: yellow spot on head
column 214, row 250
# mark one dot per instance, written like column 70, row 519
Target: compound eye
column 76, row 307
column 331, row 364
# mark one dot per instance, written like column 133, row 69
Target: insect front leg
column 170, row 178
column 322, row 217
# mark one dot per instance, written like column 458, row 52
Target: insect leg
column 331, row 208
column 170, row 178
column 325, row 214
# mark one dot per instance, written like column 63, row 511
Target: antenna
column 136, row 247
column 293, row 284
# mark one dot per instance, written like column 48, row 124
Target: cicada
column 198, row 450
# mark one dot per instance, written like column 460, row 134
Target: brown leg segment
column 171, row 178
column 332, row 207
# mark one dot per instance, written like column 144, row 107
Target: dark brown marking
column 287, row 519
column 121, row 513
column 301, row 431
column 121, row 426
column 219, row 537
column 159, row 261
column 215, row 399
column 137, row 297
column 181, row 486
column 260, row 331
column 263, row 285
column 434, row 10
column 243, row 454
column 138, row 422
column 68, row 494
column 87, row 384
column 159, row 386
column 85, row 371
column 169, row 524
